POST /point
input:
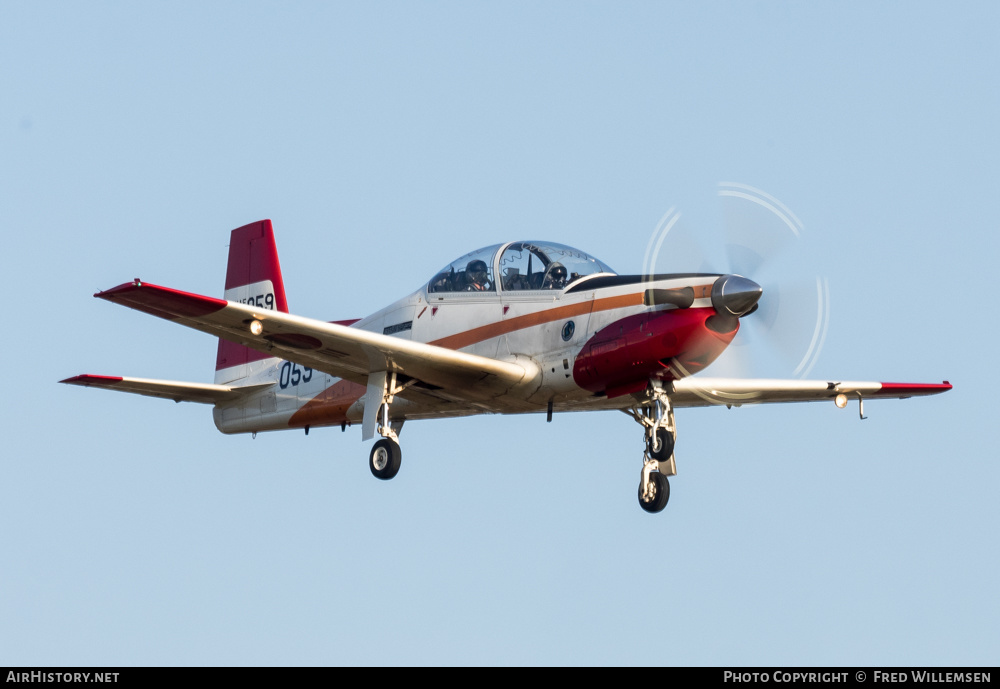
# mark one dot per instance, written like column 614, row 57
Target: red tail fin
column 252, row 276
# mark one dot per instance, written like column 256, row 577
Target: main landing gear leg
column 657, row 418
column 386, row 455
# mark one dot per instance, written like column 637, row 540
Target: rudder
column 253, row 275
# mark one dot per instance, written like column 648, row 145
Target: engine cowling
column 622, row 357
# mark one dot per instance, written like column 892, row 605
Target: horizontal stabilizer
column 203, row 393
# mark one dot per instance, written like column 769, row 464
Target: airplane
column 516, row 328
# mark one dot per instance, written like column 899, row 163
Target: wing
column 697, row 392
column 204, row 393
column 348, row 353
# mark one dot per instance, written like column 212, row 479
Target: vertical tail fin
column 252, row 276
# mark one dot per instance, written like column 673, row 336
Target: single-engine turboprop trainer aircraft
column 522, row 327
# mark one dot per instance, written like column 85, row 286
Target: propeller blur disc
column 763, row 241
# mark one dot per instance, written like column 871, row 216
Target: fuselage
column 590, row 338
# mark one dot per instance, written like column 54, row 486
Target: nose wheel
column 660, row 445
column 656, row 416
column 654, row 496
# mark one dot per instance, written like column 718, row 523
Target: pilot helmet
column 477, row 270
column 558, row 272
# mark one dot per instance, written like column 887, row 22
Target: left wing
column 696, row 391
column 348, row 353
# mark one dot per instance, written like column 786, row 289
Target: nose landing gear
column 657, row 418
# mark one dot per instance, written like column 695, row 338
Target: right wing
column 696, row 391
column 349, row 353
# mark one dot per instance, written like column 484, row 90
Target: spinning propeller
column 781, row 304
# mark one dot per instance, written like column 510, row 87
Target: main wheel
column 661, row 445
column 385, row 459
column 661, row 493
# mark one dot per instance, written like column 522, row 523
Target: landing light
column 256, row 327
column 840, row 400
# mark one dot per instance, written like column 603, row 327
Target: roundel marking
column 568, row 330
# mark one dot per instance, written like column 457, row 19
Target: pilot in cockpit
column 476, row 279
column 555, row 276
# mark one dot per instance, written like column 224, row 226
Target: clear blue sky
column 385, row 139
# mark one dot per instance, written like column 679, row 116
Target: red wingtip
column 163, row 302
column 914, row 388
column 90, row 379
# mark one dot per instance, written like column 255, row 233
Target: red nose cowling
column 621, row 358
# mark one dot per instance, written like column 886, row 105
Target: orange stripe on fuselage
column 329, row 406
column 485, row 332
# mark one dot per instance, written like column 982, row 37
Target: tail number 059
column 261, row 300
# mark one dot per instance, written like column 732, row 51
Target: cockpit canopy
column 521, row 266
column 463, row 274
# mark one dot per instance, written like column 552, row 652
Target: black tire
column 385, row 459
column 661, row 493
column 664, row 442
